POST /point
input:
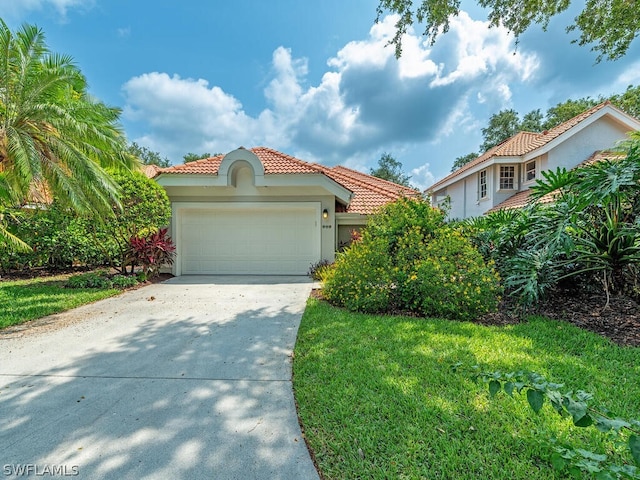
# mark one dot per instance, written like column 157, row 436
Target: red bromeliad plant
column 152, row 251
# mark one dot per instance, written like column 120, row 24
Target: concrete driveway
column 187, row 379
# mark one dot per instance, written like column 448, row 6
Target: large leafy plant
column 589, row 231
column 152, row 252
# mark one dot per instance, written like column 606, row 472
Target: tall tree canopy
column 192, row 157
column 54, row 137
column 502, row 125
column 390, row 169
column 148, row 156
column 463, row 160
column 608, row 25
column 507, row 123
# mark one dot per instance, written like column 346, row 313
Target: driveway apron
column 186, row 379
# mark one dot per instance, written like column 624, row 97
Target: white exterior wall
column 600, row 135
column 464, row 196
column 456, row 195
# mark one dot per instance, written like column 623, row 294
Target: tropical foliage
column 589, row 234
column 60, row 237
column 608, row 27
column 152, row 252
column 56, row 141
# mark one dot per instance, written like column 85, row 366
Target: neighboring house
column 501, row 177
column 261, row 211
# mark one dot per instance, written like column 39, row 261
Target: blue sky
column 313, row 79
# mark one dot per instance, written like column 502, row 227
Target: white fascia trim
column 310, row 179
column 343, row 218
column 621, row 118
column 282, row 180
column 476, row 169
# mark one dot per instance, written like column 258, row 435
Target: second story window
column 530, row 171
column 507, row 176
column 482, row 184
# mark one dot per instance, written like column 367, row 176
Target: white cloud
column 186, row 115
column 422, row 178
column 123, row 32
column 480, row 50
column 367, row 101
column 19, row 7
column 630, row 76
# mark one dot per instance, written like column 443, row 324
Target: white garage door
column 258, row 239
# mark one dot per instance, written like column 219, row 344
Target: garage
column 262, row 212
column 256, row 238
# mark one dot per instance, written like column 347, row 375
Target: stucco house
column 260, row 211
column 501, row 177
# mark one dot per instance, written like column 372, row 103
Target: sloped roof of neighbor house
column 368, row 193
column 524, row 143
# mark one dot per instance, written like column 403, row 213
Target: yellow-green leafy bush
column 409, row 259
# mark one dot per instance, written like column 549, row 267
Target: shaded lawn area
column 24, row 300
column 377, row 397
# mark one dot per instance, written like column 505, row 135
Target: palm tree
column 54, row 138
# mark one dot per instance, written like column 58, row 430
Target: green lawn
column 377, row 397
column 24, row 300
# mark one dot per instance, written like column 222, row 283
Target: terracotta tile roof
column 522, row 143
column 150, row 171
column 274, row 162
column 206, row 166
column 521, row 199
column 368, row 193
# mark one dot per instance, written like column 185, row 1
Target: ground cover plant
column 25, row 300
column 378, row 399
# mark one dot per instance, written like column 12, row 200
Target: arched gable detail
column 237, row 159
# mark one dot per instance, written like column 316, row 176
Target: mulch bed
column 619, row 321
column 44, row 273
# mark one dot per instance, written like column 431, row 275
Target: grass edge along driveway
column 25, row 300
column 377, row 398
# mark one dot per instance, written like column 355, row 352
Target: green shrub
column 360, row 278
column 409, row 260
column 101, row 279
column 59, row 238
column 90, row 280
column 141, row 276
column 145, row 209
column 317, row 270
column 124, row 281
column 452, row 280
